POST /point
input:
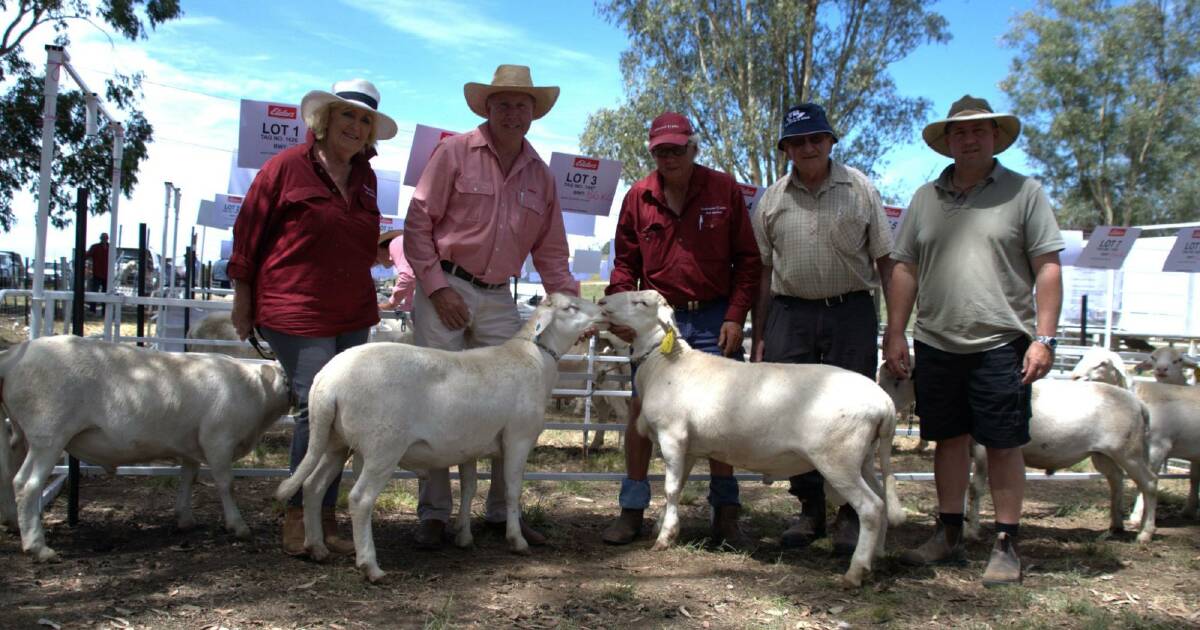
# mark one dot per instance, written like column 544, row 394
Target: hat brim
column 389, row 235
column 779, row 145
column 1008, row 125
column 385, row 127
column 679, row 139
column 477, row 95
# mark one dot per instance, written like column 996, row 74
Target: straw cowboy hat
column 510, row 78
column 358, row 93
column 970, row 108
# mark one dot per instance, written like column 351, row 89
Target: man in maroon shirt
column 684, row 231
column 97, row 255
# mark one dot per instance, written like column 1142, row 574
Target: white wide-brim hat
column 972, row 108
column 359, row 93
column 510, row 78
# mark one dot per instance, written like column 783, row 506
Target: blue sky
column 419, row 54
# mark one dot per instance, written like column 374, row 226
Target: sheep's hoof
column 1145, row 537
column 241, row 532
column 521, row 548
column 374, row 574
column 464, row 540
column 660, row 545
column 44, row 554
column 852, row 579
column 185, row 524
column 319, row 553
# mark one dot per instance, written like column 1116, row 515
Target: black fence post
column 81, row 201
column 1083, row 337
column 141, row 283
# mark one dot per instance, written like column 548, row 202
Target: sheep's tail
column 322, row 410
column 887, row 433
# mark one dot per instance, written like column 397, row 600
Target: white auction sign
column 206, row 216
column 425, row 140
column 586, row 261
column 1108, row 247
column 895, row 216
column 225, row 211
column 389, row 223
column 585, row 185
column 1185, row 254
column 266, row 129
column 226, row 249
column 751, row 194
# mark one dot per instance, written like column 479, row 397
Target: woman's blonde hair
column 318, row 121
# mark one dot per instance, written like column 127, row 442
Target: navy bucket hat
column 803, row 120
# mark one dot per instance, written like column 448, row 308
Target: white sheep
column 421, row 408
column 1174, row 432
column 111, row 405
column 218, row 326
column 1102, row 366
column 773, row 418
column 1168, row 363
column 1074, row 420
column 904, row 397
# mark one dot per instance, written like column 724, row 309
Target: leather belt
column 827, row 301
column 459, row 272
column 694, row 305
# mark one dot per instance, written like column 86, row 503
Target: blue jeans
column 302, row 358
column 700, row 329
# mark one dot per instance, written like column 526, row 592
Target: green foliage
column 734, row 68
column 81, row 161
column 1110, row 97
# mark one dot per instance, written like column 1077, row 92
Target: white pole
column 1108, row 317
column 54, row 60
column 113, row 312
column 162, row 267
column 175, row 241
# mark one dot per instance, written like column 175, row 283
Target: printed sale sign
column 1185, row 255
column 895, row 216
column 425, row 140
column 751, row 194
column 225, row 211
column 585, row 185
column 1108, row 247
column 265, row 129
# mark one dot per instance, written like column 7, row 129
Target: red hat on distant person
column 670, row 128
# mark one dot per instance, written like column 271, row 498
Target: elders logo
column 892, row 211
column 748, row 190
column 588, row 163
column 1117, row 232
column 282, row 111
column 1195, row 233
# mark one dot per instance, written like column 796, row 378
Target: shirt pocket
column 472, row 197
column 652, row 241
column 849, row 232
column 714, row 235
column 528, row 209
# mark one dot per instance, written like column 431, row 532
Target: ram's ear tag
column 668, row 342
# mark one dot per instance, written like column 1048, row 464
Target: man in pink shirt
column 485, row 201
column 391, row 254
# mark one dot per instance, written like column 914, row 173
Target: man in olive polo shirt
column 825, row 246
column 974, row 245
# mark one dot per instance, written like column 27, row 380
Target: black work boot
column 726, row 530
column 625, row 529
column 845, row 531
column 806, row 527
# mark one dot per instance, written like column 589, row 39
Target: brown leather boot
column 944, row 547
column 725, row 527
column 1004, row 567
column 293, row 531
column 431, row 535
column 625, row 529
column 335, row 544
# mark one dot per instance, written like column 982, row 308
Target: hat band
column 365, row 99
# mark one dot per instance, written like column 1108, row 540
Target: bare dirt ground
column 126, row 566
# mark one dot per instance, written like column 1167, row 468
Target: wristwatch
column 1048, row 341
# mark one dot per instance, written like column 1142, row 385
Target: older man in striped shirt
column 825, row 246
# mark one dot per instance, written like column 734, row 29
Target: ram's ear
column 542, row 318
column 1189, row 360
column 666, row 314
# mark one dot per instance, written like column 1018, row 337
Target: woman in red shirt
column 304, row 243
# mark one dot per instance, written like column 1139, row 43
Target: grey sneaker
column 1004, row 567
column 938, row 549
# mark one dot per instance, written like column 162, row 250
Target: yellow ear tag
column 668, row 342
